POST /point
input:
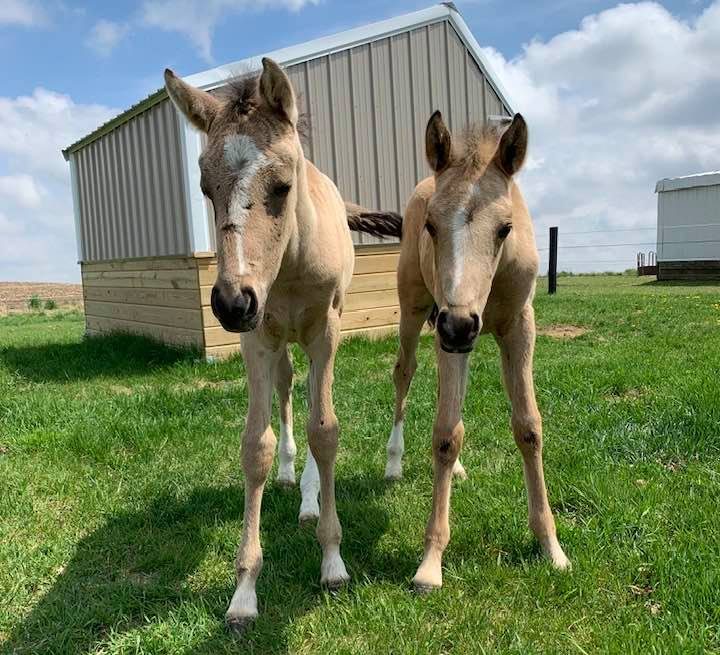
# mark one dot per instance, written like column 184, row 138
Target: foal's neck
column 303, row 232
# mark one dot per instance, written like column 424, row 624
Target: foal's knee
column 528, row 437
column 404, row 370
column 447, row 442
column 257, row 455
column 323, row 437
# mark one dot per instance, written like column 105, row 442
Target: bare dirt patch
column 14, row 296
column 562, row 331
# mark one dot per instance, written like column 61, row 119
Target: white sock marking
column 244, row 601
column 310, row 489
column 395, row 449
column 286, row 454
column 332, row 569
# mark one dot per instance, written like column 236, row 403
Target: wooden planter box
column 168, row 298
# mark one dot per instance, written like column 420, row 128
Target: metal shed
column 144, row 235
column 688, row 236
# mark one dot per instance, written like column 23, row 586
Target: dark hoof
column 239, row 626
column 422, row 589
column 307, row 520
column 333, row 587
column 285, row 484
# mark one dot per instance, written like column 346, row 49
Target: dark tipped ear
column 276, row 90
column 438, row 143
column 199, row 107
column 512, row 148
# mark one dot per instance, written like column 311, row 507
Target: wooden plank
column 167, row 316
column 144, row 274
column 376, row 263
column 140, row 264
column 370, row 318
column 217, row 336
column 373, row 282
column 136, row 282
column 180, row 298
column 371, row 299
column 377, row 332
column 175, row 335
column 222, row 352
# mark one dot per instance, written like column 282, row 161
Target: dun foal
column 285, row 260
column 468, row 263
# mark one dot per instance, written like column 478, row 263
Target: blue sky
column 616, row 96
column 56, row 55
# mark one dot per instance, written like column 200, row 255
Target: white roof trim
column 323, row 46
column 688, row 181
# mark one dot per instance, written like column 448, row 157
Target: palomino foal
column 285, row 260
column 468, row 262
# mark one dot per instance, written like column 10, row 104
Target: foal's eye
column 504, row 231
column 281, row 190
column 431, row 229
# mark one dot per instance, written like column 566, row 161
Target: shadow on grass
column 144, row 567
column 93, row 357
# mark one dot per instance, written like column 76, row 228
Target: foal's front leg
column 447, row 440
column 258, row 449
column 516, row 347
column 323, row 440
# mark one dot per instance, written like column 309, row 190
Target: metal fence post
column 552, row 264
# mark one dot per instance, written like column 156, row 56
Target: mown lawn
column 121, row 494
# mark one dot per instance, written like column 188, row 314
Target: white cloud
column 22, row 190
column 629, row 97
column 22, row 12
column 105, row 36
column 196, row 19
column 37, row 232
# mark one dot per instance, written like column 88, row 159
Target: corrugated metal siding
column 368, row 107
column 130, row 186
column 689, row 224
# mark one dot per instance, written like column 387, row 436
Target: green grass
column 121, row 494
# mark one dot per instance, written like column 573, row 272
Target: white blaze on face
column 456, row 237
column 244, row 159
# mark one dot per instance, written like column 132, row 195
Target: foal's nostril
column 476, row 323
column 251, row 303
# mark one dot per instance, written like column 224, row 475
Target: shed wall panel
column 131, row 189
column 689, row 224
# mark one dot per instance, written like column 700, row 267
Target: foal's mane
column 241, row 96
column 477, row 144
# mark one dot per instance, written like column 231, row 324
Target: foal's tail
column 378, row 223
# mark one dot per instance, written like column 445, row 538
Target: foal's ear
column 438, row 143
column 512, row 148
column 276, row 90
column 199, row 107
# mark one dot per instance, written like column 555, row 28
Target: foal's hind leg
column 517, row 347
column 322, row 431
column 286, row 446
column 411, row 322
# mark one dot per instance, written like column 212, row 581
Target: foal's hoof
column 285, row 483
column 308, row 518
column 459, row 471
column 238, row 625
column 422, row 588
column 334, row 586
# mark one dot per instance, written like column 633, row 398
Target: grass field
column 121, row 494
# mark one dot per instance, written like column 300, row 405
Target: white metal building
column 688, row 233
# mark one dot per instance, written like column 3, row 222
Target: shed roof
column 710, row 178
column 323, row 46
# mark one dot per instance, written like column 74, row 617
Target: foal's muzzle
column 457, row 332
column 238, row 313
